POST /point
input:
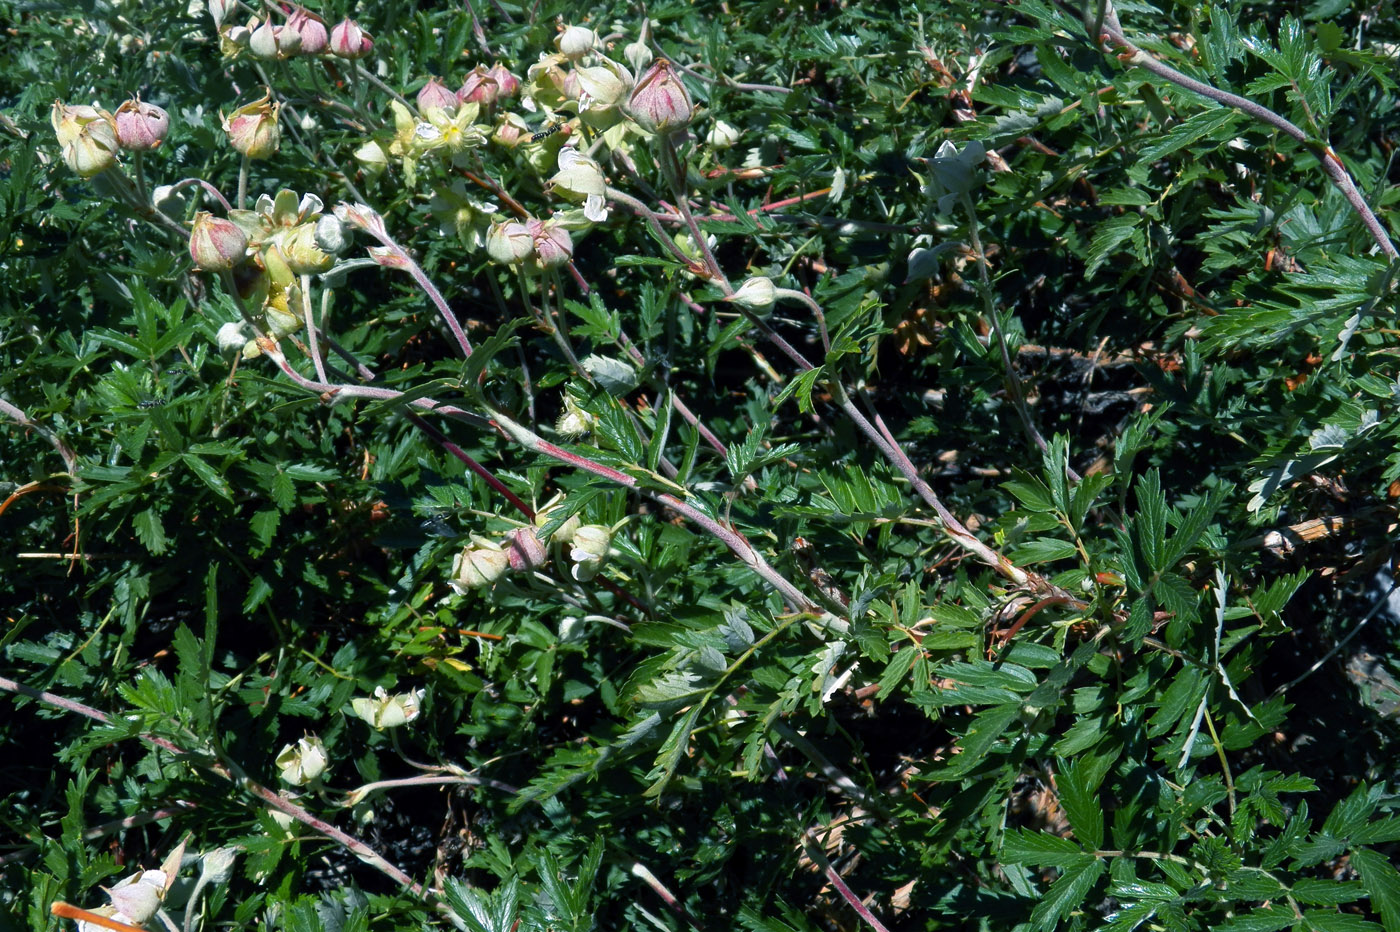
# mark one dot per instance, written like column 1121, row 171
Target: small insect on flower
column 548, row 131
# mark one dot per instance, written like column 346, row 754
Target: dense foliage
column 924, row 471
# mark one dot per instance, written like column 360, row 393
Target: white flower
column 303, row 762
column 138, row 897
column 588, row 549
column 386, row 711
column 722, row 135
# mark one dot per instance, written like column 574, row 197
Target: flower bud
column 331, row 235
column 606, row 84
column 757, row 295
column 525, row 550
column 722, row 135
column 141, row 126
column 263, row 42
column 553, row 245
column 301, row 252
column 511, row 130
column 574, row 422
column 435, row 94
column 589, row 549
column 638, row 55
column 253, row 129
column 288, row 42
column 508, row 85
column 311, row 29
column 303, row 762
column 386, row 711
column 216, row 244
column 219, row 10
column 480, row 564
column 348, row 40
column 231, row 336
column 87, row 136
column 576, row 42
column 509, row 243
column 660, row 102
column 479, row 87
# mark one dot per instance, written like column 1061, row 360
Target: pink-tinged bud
column 348, row 40
column 660, row 102
column 310, row 28
column 479, row 87
column 525, row 550
column 508, row 83
column 509, row 243
column 253, row 130
column 219, row 10
column 435, row 96
column 88, row 137
column 141, row 126
column 263, row 42
column 553, row 245
column 511, row 130
column 216, row 244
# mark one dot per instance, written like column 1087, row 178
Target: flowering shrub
column 522, row 467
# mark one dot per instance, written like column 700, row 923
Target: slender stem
column 818, row 857
column 310, row 320
column 1330, row 161
column 242, row 182
column 1013, row 381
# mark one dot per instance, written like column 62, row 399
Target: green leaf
column 1067, row 893
column 1218, row 122
column 986, row 729
column 1078, row 784
column 1023, row 846
column 1382, row 882
column 151, row 531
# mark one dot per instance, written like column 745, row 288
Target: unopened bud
column 435, row 95
column 638, row 55
column 141, row 126
column 303, row 255
column 757, row 294
column 525, row 550
column 722, row 135
column 253, row 129
column 507, row 83
column 576, row 42
column 263, row 42
column 479, row 87
column 480, row 564
column 88, row 137
column 660, row 103
column 553, row 245
column 509, row 243
column 311, row 29
column 348, row 40
column 216, row 244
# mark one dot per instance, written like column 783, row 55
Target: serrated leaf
column 150, row 530
column 1382, row 882
column 1108, row 236
column 1077, row 783
column 1067, row 893
column 1218, row 121
column 1023, row 846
